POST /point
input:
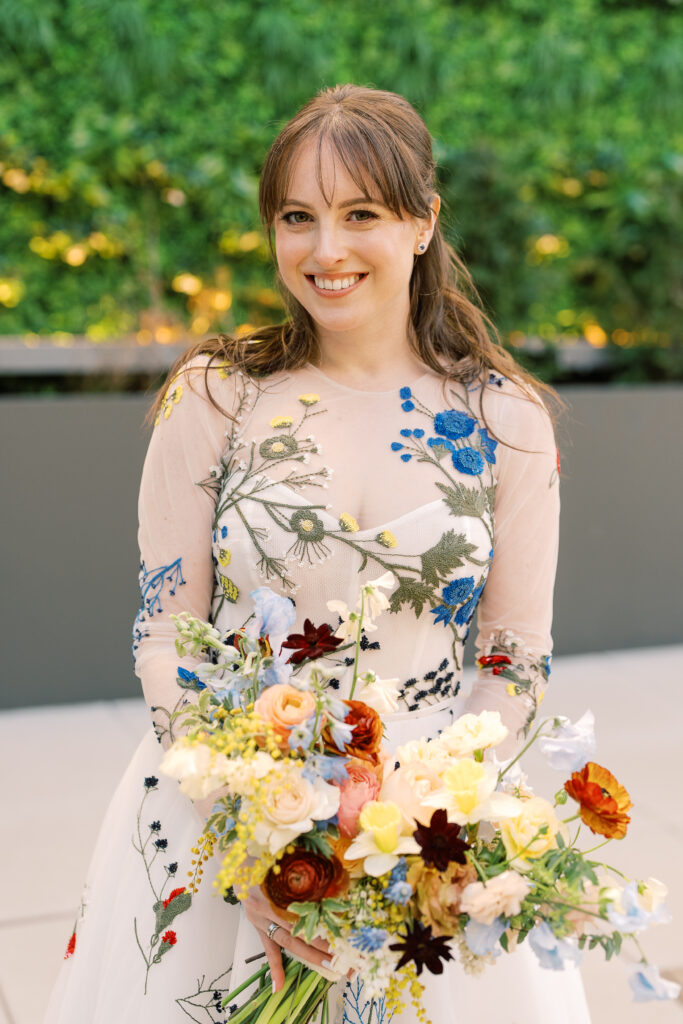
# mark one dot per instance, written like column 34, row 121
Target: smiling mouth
column 333, row 286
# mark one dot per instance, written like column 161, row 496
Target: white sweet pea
column 469, row 794
column 379, row 694
column 198, row 769
column 375, row 601
column 570, row 746
column 348, row 627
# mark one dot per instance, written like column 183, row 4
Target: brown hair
column 383, row 143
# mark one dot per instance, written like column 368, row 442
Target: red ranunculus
column 303, row 876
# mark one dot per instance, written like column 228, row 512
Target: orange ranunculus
column 603, row 802
column 367, row 732
column 303, row 876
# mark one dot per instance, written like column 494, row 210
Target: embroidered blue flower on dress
column 419, row 432
column 465, row 613
column 190, row 680
column 396, row 446
column 406, row 432
column 454, row 424
column 488, row 444
column 406, row 457
column 407, row 406
column 405, row 393
column 453, row 594
column 498, row 381
column 468, row 460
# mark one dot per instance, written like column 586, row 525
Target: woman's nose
column 330, row 246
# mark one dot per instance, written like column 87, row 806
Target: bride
column 381, row 428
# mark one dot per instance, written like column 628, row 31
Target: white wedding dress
column 313, row 488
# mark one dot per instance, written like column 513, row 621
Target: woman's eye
column 364, row 215
column 295, row 217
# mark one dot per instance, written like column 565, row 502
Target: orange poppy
column 603, row 802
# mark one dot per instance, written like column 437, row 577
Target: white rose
column 199, row 770
column 500, row 895
column 520, row 834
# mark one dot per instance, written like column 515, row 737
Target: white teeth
column 338, row 284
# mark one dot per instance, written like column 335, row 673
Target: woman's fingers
column 274, row 956
column 311, row 954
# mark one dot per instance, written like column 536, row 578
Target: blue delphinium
column 368, row 939
column 332, row 769
column 633, row 917
column 274, row 616
column 647, row 985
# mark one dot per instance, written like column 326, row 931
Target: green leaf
column 448, row 553
column 463, row 501
column 412, row 592
column 165, row 915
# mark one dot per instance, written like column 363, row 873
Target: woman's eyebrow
column 347, row 202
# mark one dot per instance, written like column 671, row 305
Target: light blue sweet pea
column 482, row 939
column 331, row 769
column 647, row 985
column 633, row 917
column 553, row 953
column 274, row 616
column 278, row 671
column 570, row 745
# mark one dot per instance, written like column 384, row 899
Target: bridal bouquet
column 400, row 860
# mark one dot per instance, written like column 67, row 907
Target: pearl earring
column 421, row 247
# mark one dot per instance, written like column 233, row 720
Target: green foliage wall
column 132, row 133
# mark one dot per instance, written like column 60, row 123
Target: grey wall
column 70, row 471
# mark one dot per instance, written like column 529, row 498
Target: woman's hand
column 261, row 914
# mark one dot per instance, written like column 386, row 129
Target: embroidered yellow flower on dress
column 224, row 556
column 308, row 399
column 230, row 589
column 281, row 421
column 223, row 368
column 386, row 539
column 348, row 523
column 171, row 398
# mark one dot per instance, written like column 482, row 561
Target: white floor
column 60, row 765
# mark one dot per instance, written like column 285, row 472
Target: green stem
column 245, row 984
column 356, row 655
column 524, row 750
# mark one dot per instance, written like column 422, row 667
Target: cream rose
column 283, row 706
column 290, row 808
column 520, row 834
column 500, row 895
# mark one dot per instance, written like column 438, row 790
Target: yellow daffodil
column 383, row 838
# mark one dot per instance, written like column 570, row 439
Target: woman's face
column 348, row 264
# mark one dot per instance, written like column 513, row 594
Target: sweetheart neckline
column 326, row 511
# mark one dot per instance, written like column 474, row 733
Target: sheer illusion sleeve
column 514, row 621
column 176, row 510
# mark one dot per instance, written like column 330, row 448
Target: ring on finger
column 272, row 928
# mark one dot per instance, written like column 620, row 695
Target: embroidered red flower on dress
column 169, row 937
column 71, row 948
column 312, row 643
column 496, row 662
column 172, row 896
column 557, row 457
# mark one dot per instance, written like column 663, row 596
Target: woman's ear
column 427, row 225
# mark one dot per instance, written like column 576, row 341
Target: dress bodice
column 313, row 488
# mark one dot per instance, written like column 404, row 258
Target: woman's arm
column 515, row 611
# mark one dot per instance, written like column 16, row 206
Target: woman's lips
column 336, row 290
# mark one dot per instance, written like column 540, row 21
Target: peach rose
column 282, row 706
column 438, row 894
column 408, row 785
column 360, row 786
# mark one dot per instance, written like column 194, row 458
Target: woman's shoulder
column 515, row 410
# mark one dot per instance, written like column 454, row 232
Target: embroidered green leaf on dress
column 448, row 553
column 412, row 592
column 462, row 500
